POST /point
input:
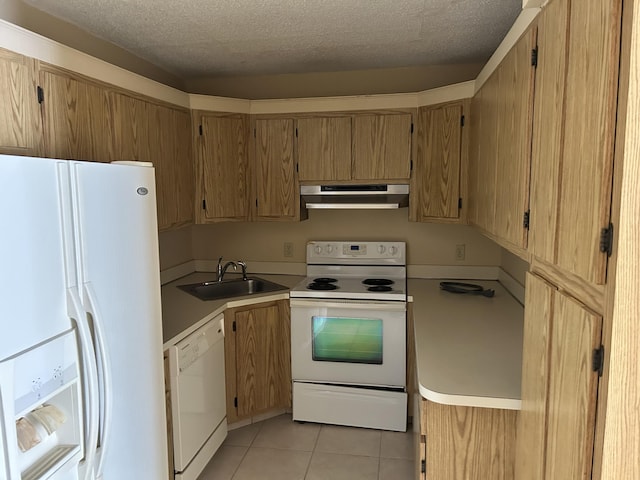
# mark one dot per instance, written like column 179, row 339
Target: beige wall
column 428, row 244
column 361, row 82
column 175, row 247
column 513, row 265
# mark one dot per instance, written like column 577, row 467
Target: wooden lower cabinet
column 167, row 399
column 257, row 359
column 559, row 385
column 466, row 443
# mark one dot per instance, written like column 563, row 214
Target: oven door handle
column 382, row 306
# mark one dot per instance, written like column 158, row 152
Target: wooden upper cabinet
column 435, row 188
column 324, row 148
column 382, row 147
column 546, row 148
column 589, row 128
column 75, row 117
column 513, row 159
column 171, row 153
column 277, row 191
column 222, row 168
column 574, row 133
column 482, row 155
column 149, row 132
column 500, row 153
column 559, row 386
column 20, row 122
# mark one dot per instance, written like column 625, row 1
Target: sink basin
column 231, row 288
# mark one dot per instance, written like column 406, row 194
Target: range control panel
column 319, row 252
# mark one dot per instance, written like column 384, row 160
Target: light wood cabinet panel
column 258, row 359
column 573, row 388
column 171, row 153
column 324, row 148
column 382, row 147
column 482, row 169
column 222, row 168
column 546, row 149
column 154, row 133
column 277, row 191
column 532, row 420
column 468, row 443
column 590, row 115
column 435, row 188
column 20, row 122
column 559, row 386
column 75, row 117
column 169, row 414
column 513, row 159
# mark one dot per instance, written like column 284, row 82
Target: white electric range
column 348, row 335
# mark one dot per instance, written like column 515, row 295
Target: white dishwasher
column 198, row 401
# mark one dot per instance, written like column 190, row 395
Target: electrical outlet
column 460, row 252
column 288, row 249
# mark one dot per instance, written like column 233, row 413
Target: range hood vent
column 379, row 196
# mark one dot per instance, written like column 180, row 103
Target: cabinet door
column 382, row 147
column 590, row 115
column 482, row 163
column 465, row 443
column 324, row 148
column 261, row 363
column 223, row 168
column 149, row 132
column 513, row 159
column 20, row 123
column 559, row 387
column 276, row 183
column 171, row 154
column 75, row 117
column 532, row 419
column 573, row 390
column 546, row 145
column 436, row 180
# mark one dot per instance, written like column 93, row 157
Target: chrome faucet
column 221, row 270
column 244, row 269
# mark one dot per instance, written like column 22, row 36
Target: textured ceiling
column 208, row 38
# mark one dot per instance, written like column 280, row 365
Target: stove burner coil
column 379, row 288
column 324, row 280
column 377, row 282
column 321, row 286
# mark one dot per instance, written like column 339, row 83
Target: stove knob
column 381, row 249
column 393, row 250
column 318, row 249
column 329, row 249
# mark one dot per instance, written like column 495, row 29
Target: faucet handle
column 244, row 268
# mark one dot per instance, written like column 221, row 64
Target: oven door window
column 346, row 339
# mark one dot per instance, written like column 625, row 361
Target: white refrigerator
column 81, row 366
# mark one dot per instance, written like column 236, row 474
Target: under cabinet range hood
column 379, row 196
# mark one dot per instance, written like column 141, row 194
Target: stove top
column 354, row 271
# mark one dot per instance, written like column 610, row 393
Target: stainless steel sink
column 231, row 288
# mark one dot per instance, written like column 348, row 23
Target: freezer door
column 119, row 277
column 36, row 251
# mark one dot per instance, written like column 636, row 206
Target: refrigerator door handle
column 105, row 372
column 90, row 378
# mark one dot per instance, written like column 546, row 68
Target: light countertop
column 182, row 313
column 468, row 347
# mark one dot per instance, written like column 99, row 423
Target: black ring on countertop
column 466, row 288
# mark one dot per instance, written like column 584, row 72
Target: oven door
column 348, row 342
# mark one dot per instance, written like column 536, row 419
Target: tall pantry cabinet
column 572, row 150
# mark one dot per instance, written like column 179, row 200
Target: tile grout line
column 248, row 448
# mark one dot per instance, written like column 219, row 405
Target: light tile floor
column 280, row 449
